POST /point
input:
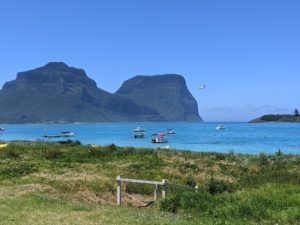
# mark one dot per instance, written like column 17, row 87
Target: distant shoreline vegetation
column 282, row 118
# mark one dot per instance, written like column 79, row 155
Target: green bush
column 191, row 182
column 16, row 169
column 263, row 159
column 216, row 186
column 271, row 117
column 170, row 204
column 188, row 201
column 267, row 203
column 12, row 153
column 52, row 153
column 220, row 156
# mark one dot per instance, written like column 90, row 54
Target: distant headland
column 57, row 93
column 283, row 118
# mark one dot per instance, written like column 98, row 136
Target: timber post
column 164, row 186
column 155, row 193
column 119, row 191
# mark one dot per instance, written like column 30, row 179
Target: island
column 281, row 118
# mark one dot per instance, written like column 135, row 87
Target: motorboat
column 67, row 134
column 63, row 134
column 139, row 132
column 159, row 138
column 170, row 131
column 164, row 147
column 139, row 135
column 220, row 127
column 52, row 136
column 2, row 129
column 161, row 134
column 139, row 129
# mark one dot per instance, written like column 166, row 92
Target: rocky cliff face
column 61, row 94
column 167, row 94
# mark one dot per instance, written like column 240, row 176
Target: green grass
column 44, row 183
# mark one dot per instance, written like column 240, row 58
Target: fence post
column 119, row 191
column 163, row 192
column 155, row 193
column 196, row 189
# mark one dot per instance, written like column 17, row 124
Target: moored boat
column 139, row 132
column 139, row 135
column 159, row 138
column 170, row 131
column 139, row 129
column 63, row 134
column 164, row 147
column 220, row 127
column 67, row 134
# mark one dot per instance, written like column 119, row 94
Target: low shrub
column 191, row 182
column 170, row 204
column 17, row 169
column 220, row 156
column 250, row 205
column 217, row 186
column 11, row 153
column 187, row 201
column 186, row 167
column 52, row 153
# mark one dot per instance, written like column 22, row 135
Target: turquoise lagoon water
column 237, row 137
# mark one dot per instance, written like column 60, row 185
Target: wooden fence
column 164, row 184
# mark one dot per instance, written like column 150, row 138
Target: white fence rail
column 162, row 183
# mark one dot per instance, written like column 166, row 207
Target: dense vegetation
column 48, row 183
column 277, row 118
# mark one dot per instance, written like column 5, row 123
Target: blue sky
column 246, row 52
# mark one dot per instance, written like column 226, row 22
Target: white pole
column 163, row 192
column 155, row 193
column 119, row 191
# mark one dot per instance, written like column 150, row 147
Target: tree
column 296, row 112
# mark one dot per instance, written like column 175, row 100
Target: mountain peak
column 54, row 71
column 56, row 66
column 59, row 93
column 167, row 94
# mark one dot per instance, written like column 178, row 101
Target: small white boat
column 170, row 131
column 139, row 129
column 164, row 147
column 159, row 138
column 67, row 134
column 220, row 127
column 139, row 132
column 2, row 129
column 139, row 135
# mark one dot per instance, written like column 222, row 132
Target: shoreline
column 238, row 137
column 158, row 148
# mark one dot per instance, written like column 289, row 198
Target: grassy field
column 48, row 183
